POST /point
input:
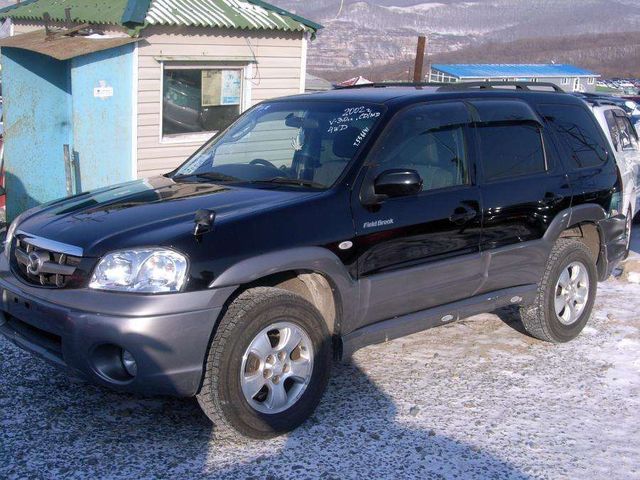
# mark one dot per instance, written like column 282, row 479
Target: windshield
column 304, row 144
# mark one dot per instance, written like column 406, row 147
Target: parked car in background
column 624, row 139
column 316, row 225
column 631, row 107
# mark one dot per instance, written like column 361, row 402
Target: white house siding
column 278, row 72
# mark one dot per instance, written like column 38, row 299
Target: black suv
column 313, row 226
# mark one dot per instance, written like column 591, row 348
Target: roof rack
column 390, row 84
column 443, row 87
column 526, row 86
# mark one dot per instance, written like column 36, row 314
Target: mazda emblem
column 35, row 263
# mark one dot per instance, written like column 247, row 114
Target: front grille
column 45, row 267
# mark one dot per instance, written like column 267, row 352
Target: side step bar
column 425, row 319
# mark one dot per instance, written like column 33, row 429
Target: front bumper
column 83, row 330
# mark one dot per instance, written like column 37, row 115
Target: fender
column 572, row 216
column 610, row 231
column 315, row 259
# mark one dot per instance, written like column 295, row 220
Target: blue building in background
column 568, row 77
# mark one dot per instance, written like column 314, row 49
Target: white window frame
column 246, row 71
column 565, row 81
column 577, row 84
column 591, row 81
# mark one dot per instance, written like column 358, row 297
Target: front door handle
column 463, row 214
column 551, row 198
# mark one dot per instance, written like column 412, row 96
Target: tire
column 540, row 319
column 244, row 324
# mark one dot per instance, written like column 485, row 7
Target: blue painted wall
column 102, row 127
column 37, row 110
column 49, row 103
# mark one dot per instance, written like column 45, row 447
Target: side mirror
column 398, row 183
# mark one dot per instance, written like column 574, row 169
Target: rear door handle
column 463, row 214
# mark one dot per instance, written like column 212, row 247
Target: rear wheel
column 566, row 294
column 268, row 364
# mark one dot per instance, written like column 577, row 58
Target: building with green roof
column 185, row 69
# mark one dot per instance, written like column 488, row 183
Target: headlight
column 11, row 232
column 143, row 271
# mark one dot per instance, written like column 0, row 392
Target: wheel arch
column 314, row 273
column 581, row 222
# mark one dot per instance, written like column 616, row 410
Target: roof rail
column 526, row 86
column 389, row 84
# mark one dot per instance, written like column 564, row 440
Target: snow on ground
column 476, row 399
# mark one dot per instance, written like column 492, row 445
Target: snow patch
column 421, row 8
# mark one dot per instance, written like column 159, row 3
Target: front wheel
column 268, row 364
column 566, row 294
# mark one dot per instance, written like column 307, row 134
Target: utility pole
column 417, row 71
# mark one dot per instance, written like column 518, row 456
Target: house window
column 199, row 100
column 565, row 81
column 591, row 80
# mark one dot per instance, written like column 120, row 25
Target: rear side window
column 511, row 150
column 628, row 136
column 579, row 132
column 614, row 130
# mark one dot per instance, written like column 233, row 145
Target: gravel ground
column 477, row 399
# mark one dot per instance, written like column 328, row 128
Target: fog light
column 129, row 363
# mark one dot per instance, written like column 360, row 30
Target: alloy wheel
column 572, row 293
column 277, row 367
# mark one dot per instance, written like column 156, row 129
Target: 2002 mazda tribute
column 313, row 226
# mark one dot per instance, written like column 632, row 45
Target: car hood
column 156, row 211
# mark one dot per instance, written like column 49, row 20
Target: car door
column 523, row 187
column 586, row 153
column 421, row 250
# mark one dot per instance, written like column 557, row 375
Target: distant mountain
column 609, row 54
column 361, row 34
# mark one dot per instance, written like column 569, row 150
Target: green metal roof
column 89, row 11
column 224, row 13
column 242, row 14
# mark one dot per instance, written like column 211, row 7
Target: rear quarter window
column 578, row 132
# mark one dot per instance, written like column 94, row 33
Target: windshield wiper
column 214, row 176
column 291, row 181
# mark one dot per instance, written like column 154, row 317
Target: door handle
column 551, row 198
column 463, row 214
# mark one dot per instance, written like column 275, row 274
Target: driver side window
column 430, row 139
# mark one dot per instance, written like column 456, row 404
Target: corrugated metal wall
column 102, row 134
column 37, row 93
column 50, row 104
